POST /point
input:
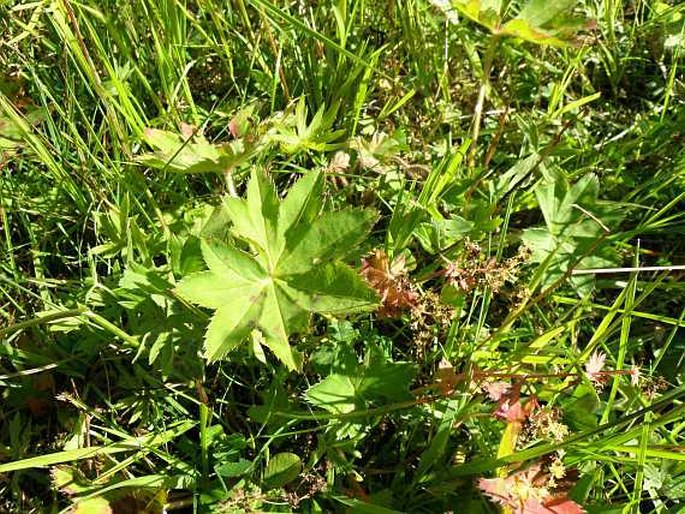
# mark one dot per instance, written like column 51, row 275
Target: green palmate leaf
column 377, row 379
column 575, row 219
column 318, row 135
column 360, row 388
column 547, row 22
column 292, row 271
column 192, row 153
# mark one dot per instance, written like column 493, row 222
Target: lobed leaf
column 334, row 233
column 209, row 289
column 232, row 323
column 547, row 22
column 292, row 271
column 191, row 153
column 331, row 289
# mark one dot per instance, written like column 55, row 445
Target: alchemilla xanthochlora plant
column 417, row 256
column 292, row 267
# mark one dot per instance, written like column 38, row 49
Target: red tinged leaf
column 510, row 407
column 234, row 129
column 529, row 491
column 515, row 412
column 389, row 281
column 563, row 505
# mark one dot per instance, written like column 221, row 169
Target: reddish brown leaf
column 390, row 282
column 233, row 128
column 446, row 377
column 563, row 505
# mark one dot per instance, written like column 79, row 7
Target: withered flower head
column 472, row 269
column 594, row 366
column 496, row 390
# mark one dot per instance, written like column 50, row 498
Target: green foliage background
column 187, row 189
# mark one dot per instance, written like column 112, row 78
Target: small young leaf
column 282, row 469
column 234, row 469
column 375, row 380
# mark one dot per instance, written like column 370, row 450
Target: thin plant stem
column 484, row 88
